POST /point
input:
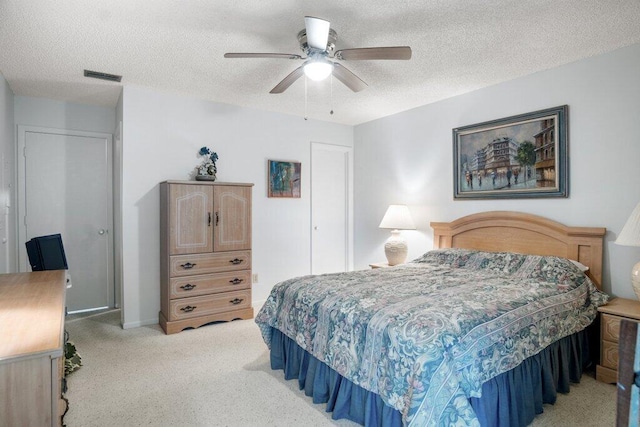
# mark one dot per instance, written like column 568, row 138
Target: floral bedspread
column 426, row 335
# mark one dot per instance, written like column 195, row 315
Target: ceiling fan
column 317, row 41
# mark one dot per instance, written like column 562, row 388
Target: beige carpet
column 219, row 375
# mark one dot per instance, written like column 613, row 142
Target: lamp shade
column 630, row 234
column 397, row 217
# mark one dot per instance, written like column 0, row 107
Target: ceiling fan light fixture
column 318, row 70
column 317, row 41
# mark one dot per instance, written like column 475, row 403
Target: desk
column 32, row 308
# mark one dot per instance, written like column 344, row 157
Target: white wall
column 64, row 115
column 408, row 158
column 7, row 179
column 162, row 135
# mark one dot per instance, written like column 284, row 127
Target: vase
column 205, row 177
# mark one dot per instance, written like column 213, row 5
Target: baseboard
column 256, row 304
column 131, row 325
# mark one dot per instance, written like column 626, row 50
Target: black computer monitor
column 46, row 253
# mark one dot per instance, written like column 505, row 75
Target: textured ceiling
column 178, row 46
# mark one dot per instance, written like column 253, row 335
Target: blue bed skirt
column 510, row 399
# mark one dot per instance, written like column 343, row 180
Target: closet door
column 191, row 219
column 65, row 187
column 232, row 230
column 331, row 208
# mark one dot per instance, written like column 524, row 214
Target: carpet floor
column 219, row 375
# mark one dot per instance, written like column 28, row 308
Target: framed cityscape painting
column 284, row 179
column 521, row 156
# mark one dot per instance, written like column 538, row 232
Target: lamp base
column 635, row 279
column 396, row 248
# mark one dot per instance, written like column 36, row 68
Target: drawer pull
column 235, row 261
column 188, row 287
column 236, row 301
column 188, row 309
column 187, row 265
column 235, row 281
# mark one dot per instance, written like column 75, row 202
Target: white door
column 331, row 207
column 66, row 182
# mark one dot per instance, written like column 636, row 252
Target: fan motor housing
column 331, row 41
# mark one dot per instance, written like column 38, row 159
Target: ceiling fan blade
column 347, row 78
column 317, row 32
column 392, row 52
column 288, row 81
column 263, row 55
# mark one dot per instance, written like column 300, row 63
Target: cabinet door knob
column 235, row 281
column 187, row 265
column 235, row 261
column 189, row 308
column 188, row 287
column 236, row 301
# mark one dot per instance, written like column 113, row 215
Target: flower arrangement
column 207, row 168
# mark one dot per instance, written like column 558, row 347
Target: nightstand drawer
column 611, row 316
column 610, row 327
column 609, row 354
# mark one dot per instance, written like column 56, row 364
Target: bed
column 482, row 330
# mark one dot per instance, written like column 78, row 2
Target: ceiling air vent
column 102, row 76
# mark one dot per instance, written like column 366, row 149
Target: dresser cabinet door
column 191, row 219
column 232, row 230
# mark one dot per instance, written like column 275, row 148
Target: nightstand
column 610, row 316
column 380, row 265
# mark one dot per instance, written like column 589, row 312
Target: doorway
column 331, row 208
column 64, row 186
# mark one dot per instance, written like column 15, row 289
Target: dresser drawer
column 610, row 327
column 609, row 354
column 187, row 265
column 191, row 286
column 186, row 308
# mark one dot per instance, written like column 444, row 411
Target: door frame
column 21, row 253
column 348, row 153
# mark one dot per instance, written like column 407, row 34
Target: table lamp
column 630, row 236
column 397, row 218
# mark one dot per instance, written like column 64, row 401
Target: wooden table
column 379, row 265
column 32, row 310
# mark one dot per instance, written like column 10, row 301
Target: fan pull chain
column 305, row 97
column 331, row 85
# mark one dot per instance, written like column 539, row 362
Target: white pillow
column 580, row 265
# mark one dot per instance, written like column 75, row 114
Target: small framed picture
column 522, row 156
column 284, row 179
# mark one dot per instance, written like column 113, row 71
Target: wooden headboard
column 506, row 231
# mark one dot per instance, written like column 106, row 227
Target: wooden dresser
column 32, row 310
column 205, row 247
column 610, row 317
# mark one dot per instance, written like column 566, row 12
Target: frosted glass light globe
column 318, row 70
